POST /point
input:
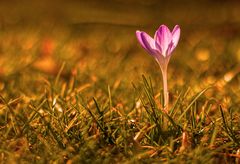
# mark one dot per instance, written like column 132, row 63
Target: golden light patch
column 228, row 76
column 202, row 54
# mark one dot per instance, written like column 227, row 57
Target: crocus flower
column 161, row 48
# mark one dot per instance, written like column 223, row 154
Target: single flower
column 161, row 48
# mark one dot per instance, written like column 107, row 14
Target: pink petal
column 175, row 38
column 139, row 37
column 175, row 35
column 170, row 49
column 163, row 38
column 158, row 47
column 146, row 42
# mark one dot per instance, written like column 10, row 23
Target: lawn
column 76, row 86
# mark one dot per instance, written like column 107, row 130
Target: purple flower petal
column 158, row 47
column 147, row 42
column 175, row 38
column 170, row 49
column 139, row 37
column 175, row 35
column 163, row 38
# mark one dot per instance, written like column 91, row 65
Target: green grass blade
column 192, row 102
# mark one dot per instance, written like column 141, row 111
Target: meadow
column 76, row 86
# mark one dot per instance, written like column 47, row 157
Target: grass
column 67, row 97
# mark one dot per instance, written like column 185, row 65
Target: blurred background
column 119, row 12
column 97, row 38
column 56, row 56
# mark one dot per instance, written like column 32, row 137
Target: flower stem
column 165, row 88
